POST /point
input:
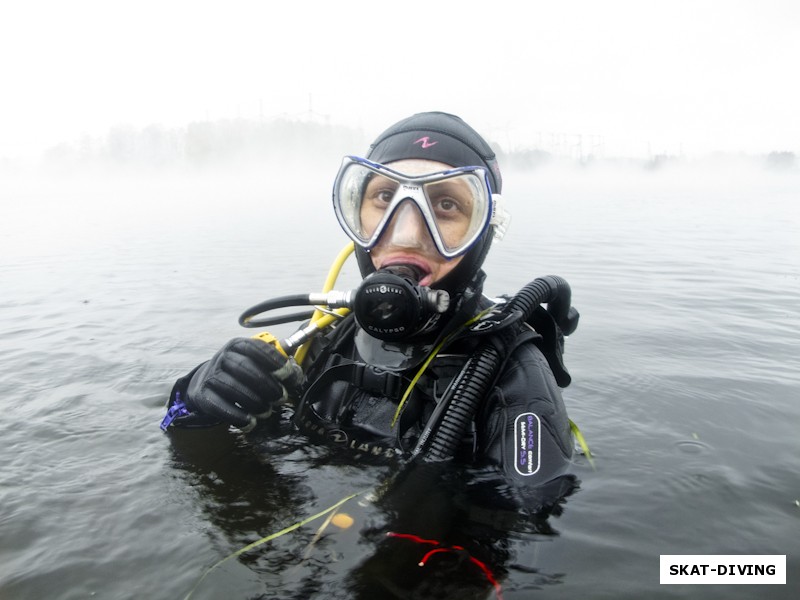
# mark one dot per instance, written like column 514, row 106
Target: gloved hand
column 246, row 379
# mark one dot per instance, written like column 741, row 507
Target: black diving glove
column 245, row 380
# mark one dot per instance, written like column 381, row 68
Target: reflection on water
column 448, row 519
column 684, row 383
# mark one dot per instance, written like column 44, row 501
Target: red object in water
column 458, row 549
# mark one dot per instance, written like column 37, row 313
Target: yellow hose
column 319, row 318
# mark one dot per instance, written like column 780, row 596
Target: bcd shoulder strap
column 550, row 340
column 551, row 344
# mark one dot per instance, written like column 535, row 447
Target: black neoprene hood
column 444, row 138
column 437, row 136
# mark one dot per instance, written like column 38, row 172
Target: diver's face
column 406, row 239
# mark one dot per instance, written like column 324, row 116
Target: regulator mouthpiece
column 391, row 305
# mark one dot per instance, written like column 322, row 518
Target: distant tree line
column 781, row 160
column 211, row 142
column 207, row 143
column 204, row 143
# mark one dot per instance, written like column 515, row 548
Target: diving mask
column 457, row 204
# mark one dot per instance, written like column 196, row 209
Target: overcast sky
column 668, row 76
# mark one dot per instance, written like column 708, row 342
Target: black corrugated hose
column 453, row 415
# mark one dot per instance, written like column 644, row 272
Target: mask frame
column 355, row 174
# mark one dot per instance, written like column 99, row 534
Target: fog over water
column 119, row 277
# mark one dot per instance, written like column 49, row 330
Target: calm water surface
column 686, row 372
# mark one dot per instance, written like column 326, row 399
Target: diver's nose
column 407, row 228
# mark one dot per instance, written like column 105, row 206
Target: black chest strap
column 369, row 378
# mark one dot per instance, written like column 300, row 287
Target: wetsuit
column 521, row 430
column 520, row 433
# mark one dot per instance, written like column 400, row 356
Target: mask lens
column 459, row 205
column 348, row 197
column 378, row 194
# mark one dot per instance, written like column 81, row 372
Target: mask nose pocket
column 407, row 228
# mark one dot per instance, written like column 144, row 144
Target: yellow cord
column 582, row 442
column 336, row 267
column 319, row 318
column 268, row 538
column 429, row 360
column 414, row 381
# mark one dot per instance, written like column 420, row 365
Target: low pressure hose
column 451, row 419
column 247, row 318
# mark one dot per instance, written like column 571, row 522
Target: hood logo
column 424, row 142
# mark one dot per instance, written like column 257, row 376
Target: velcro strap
column 369, row 378
column 377, row 381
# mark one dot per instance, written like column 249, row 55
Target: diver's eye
column 384, row 196
column 446, row 205
column 379, row 192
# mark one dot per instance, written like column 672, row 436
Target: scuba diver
column 424, row 367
